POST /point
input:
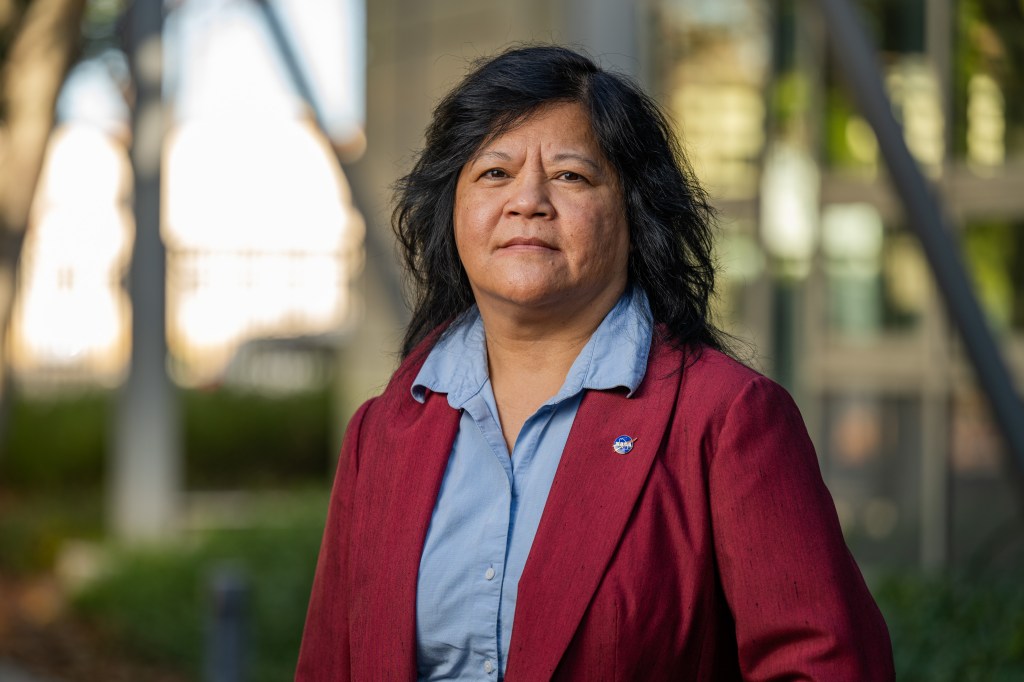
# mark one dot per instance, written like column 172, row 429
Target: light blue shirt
column 490, row 503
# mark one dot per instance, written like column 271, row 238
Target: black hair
column 670, row 221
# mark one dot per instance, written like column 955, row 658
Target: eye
column 494, row 174
column 570, row 176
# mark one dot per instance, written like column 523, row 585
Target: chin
column 543, row 301
column 530, row 300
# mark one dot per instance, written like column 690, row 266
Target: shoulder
column 715, row 389
column 710, row 367
column 706, row 372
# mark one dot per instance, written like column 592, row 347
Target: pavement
column 11, row 673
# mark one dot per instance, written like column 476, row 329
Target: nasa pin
column 623, row 444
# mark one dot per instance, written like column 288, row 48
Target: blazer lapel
column 394, row 513
column 592, row 496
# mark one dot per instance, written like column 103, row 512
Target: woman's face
column 539, row 218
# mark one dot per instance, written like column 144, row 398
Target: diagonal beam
column 930, row 222
column 376, row 245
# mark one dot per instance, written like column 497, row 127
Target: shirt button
column 488, row 666
column 489, row 574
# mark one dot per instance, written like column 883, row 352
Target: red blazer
column 710, row 552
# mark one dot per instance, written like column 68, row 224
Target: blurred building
column 819, row 269
column 818, row 272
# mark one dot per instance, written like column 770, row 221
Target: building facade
column 821, row 282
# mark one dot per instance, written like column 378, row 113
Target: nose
column 530, row 197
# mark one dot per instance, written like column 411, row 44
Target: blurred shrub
column 231, row 439
column 156, row 603
column 246, row 438
column 57, row 445
column 955, row 629
column 944, row 629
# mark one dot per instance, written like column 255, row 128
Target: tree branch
column 35, row 68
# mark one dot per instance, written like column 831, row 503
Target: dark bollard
column 228, row 594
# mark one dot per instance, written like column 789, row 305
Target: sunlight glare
column 262, row 238
column 70, row 315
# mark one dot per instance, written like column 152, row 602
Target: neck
column 538, row 344
column 530, row 350
column 540, row 359
column 528, row 363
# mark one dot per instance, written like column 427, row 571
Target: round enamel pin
column 623, row 444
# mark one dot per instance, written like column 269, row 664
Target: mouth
column 528, row 243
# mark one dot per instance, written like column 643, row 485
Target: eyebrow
column 557, row 158
column 493, row 154
column 586, row 160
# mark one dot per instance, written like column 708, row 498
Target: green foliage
column 156, row 602
column 790, row 99
column 152, row 604
column 56, row 445
column 231, row 439
column 955, row 629
column 838, row 112
column 993, row 251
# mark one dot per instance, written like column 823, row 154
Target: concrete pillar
column 145, row 476
column 611, row 31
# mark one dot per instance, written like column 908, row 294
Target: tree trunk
column 38, row 59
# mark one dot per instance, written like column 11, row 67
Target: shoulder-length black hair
column 670, row 221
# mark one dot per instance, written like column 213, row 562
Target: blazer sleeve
column 801, row 608
column 324, row 654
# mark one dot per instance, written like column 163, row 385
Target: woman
column 566, row 477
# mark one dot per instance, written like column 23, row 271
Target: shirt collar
column 615, row 356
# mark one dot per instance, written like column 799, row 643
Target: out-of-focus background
column 198, row 286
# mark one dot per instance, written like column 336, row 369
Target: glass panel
column 986, row 511
column 713, row 60
column 988, row 85
column 871, row 459
column 912, row 84
column 741, row 264
column 876, row 278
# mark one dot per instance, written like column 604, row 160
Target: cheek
column 610, row 248
column 471, row 220
column 608, row 236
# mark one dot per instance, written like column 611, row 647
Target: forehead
column 554, row 126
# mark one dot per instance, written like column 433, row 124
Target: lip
column 528, row 243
